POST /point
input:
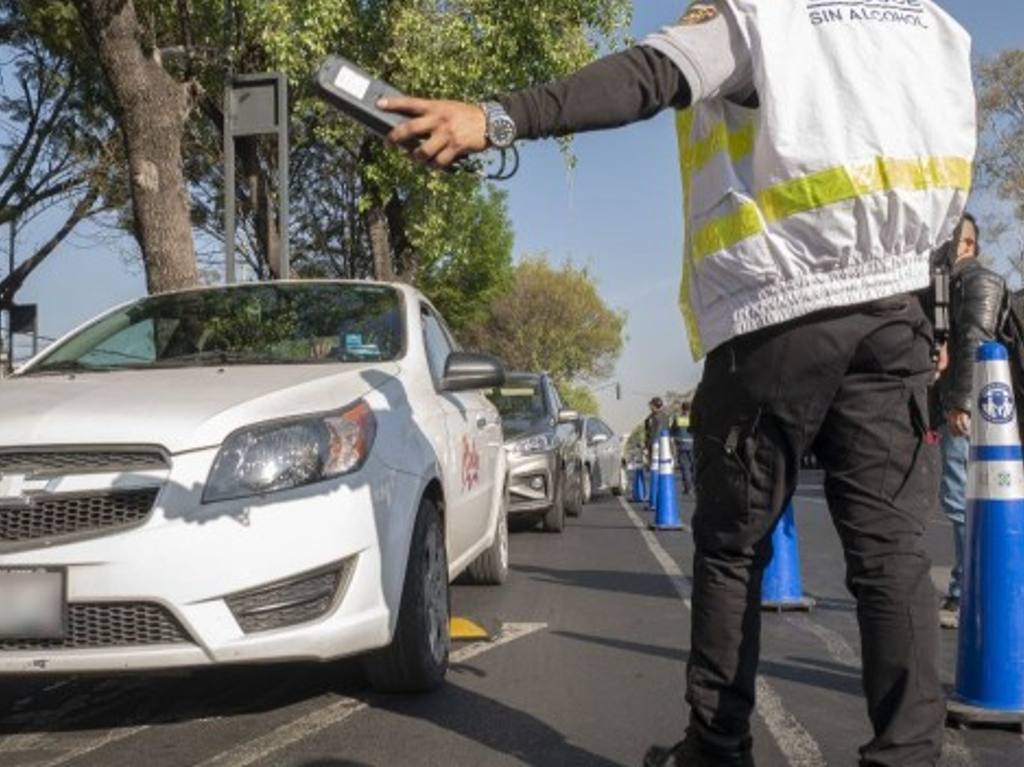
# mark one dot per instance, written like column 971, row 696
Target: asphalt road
column 587, row 669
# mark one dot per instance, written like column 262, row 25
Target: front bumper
column 531, row 482
column 210, row 570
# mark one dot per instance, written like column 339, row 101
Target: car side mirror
column 568, row 416
column 597, row 439
column 466, row 371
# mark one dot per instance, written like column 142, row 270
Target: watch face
column 503, row 132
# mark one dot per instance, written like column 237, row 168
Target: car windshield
column 519, row 401
column 264, row 324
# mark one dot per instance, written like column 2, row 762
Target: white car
column 274, row 471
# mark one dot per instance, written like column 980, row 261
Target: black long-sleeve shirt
column 618, row 89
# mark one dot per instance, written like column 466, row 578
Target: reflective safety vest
column 835, row 190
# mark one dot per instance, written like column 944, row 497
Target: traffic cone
column 652, row 490
column 639, row 494
column 990, row 655
column 781, row 588
column 666, row 514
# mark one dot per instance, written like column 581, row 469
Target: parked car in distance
column 540, row 439
column 286, row 471
column 601, row 456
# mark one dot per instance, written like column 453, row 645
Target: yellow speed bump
column 464, row 630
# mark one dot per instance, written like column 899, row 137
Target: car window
column 519, row 401
column 259, row 324
column 437, row 342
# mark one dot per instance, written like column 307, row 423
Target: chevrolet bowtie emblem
column 20, row 490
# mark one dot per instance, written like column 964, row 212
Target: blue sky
column 618, row 213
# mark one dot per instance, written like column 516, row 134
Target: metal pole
column 284, row 270
column 229, row 189
column 229, row 150
column 13, row 232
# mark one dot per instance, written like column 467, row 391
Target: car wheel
column 588, row 483
column 554, row 519
column 620, row 487
column 491, row 567
column 417, row 658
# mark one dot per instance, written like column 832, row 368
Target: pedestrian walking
column 825, row 153
column 977, row 306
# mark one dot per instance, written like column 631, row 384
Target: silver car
column 601, row 456
column 543, row 455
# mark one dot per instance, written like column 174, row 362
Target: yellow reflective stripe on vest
column 738, row 144
column 828, row 187
column 684, row 123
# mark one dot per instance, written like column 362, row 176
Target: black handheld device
column 355, row 92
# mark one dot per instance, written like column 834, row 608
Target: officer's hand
column 959, row 422
column 440, row 131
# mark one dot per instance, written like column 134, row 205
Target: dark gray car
column 540, row 440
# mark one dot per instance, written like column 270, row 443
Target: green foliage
column 449, row 232
column 579, row 398
column 554, row 320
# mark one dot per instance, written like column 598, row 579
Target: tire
column 417, row 658
column 620, row 487
column 588, row 483
column 491, row 567
column 575, row 508
column 554, row 519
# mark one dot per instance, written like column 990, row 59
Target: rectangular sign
column 32, row 603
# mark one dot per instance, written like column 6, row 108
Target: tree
column 554, row 320
column 376, row 214
column 579, row 398
column 53, row 152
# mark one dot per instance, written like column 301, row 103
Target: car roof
column 401, row 287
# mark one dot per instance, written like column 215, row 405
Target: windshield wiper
column 65, row 366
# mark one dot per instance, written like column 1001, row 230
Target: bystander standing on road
column 825, row 154
column 684, row 447
column 977, row 303
column 657, row 421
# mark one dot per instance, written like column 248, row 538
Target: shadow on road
column 824, row 675
column 494, row 725
column 616, row 581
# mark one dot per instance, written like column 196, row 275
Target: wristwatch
column 501, row 129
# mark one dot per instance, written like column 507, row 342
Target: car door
column 470, row 456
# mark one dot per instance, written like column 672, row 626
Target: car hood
column 179, row 409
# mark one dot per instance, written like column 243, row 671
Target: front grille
column 42, row 463
column 289, row 603
column 55, row 516
column 127, row 624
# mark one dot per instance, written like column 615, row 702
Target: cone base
column 960, row 714
column 665, row 527
column 801, row 605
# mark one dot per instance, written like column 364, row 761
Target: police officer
column 684, row 447
column 824, row 156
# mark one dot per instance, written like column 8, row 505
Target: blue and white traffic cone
column 652, row 490
column 990, row 657
column 666, row 513
column 639, row 494
column 781, row 586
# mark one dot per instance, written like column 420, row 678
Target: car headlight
column 286, row 454
column 538, row 443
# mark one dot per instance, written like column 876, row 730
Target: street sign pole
column 256, row 105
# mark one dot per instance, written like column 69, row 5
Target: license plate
column 32, row 603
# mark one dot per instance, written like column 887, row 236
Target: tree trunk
column 380, row 244
column 152, row 109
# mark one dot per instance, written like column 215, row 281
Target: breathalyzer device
column 354, row 92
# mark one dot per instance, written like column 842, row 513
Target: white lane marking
column 795, row 743
column 343, row 708
column 835, row 643
column 92, row 744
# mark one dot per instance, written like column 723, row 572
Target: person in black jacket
column 977, row 297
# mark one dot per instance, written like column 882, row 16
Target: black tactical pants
column 850, row 385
